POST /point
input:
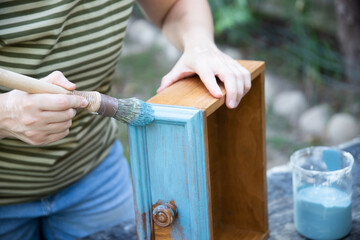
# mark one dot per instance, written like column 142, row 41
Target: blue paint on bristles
column 135, row 112
column 145, row 116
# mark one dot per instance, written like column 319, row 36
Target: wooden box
column 199, row 170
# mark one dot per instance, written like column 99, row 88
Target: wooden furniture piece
column 199, row 169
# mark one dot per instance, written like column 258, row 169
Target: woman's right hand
column 39, row 119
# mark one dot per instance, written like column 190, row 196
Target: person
column 62, row 172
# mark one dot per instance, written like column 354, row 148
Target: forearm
column 189, row 24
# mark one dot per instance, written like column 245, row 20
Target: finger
column 58, row 127
column 42, row 139
column 55, row 137
column 59, row 79
column 240, row 89
column 246, row 76
column 239, row 80
column 209, row 80
column 58, row 116
column 174, row 75
column 60, row 102
column 231, row 88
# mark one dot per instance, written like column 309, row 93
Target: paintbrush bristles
column 146, row 115
column 134, row 112
column 130, row 111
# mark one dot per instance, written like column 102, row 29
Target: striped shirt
column 82, row 39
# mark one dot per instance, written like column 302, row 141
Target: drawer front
column 168, row 168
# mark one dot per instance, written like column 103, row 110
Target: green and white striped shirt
column 82, row 39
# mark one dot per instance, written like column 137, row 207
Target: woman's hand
column 39, row 119
column 188, row 25
column 209, row 62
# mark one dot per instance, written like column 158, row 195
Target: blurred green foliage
column 296, row 39
column 228, row 13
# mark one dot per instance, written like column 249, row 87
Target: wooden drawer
column 201, row 165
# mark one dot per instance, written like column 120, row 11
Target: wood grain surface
column 231, row 233
column 236, row 143
column 191, row 92
column 234, row 156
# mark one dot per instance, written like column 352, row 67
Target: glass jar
column 322, row 187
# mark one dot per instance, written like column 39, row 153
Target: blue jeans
column 101, row 199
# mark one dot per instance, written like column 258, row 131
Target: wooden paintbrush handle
column 27, row 84
column 31, row 85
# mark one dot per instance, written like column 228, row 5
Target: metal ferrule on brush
column 108, row 106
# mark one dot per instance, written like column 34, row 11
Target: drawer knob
column 164, row 213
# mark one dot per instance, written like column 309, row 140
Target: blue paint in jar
column 322, row 212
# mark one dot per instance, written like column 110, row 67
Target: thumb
column 59, row 79
column 174, row 75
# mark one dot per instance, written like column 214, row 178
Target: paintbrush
column 131, row 111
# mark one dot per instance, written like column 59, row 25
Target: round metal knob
column 164, row 214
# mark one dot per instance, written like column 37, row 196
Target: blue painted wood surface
column 168, row 163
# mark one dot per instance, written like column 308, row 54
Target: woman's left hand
column 209, row 62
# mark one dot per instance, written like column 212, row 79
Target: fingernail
column 232, row 104
column 159, row 89
column 84, row 102
column 219, row 93
column 67, row 82
column 70, row 84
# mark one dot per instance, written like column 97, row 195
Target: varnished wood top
column 191, row 92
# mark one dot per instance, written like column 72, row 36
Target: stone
column 275, row 157
column 121, row 231
column 274, row 84
column 271, row 89
column 290, row 104
column 312, row 122
column 342, row 127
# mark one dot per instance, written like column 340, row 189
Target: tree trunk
column 348, row 30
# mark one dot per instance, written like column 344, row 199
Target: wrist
column 197, row 37
column 4, row 116
column 199, row 42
